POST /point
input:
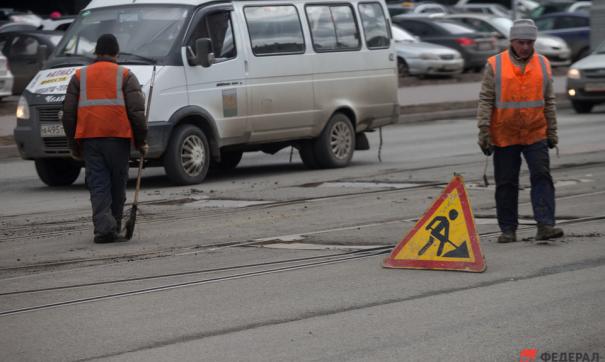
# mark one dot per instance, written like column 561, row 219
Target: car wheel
column 188, row 156
column 57, row 171
column 402, row 68
column 336, row 144
column 582, row 107
column 229, row 160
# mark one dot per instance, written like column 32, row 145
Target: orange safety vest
column 518, row 115
column 101, row 107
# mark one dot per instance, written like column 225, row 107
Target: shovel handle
column 138, row 187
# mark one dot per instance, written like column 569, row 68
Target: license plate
column 595, row 87
column 52, row 130
column 451, row 66
column 484, row 46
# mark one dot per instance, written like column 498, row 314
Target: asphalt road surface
column 273, row 262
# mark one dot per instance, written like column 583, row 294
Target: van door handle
column 246, row 66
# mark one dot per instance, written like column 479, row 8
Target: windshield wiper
column 69, row 60
column 139, row 57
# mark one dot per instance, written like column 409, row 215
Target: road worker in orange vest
column 103, row 112
column 517, row 116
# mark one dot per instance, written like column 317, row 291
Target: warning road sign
column 445, row 238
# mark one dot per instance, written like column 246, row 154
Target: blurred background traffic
column 436, row 40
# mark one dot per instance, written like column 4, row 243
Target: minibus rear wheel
column 188, row 156
column 57, row 171
column 336, row 144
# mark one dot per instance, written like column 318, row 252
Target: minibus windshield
column 145, row 33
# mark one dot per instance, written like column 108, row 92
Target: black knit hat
column 107, row 44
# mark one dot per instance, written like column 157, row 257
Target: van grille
column 49, row 114
column 594, row 73
column 56, row 142
column 447, row 56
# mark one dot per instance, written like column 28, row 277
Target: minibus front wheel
column 335, row 146
column 57, row 171
column 187, row 157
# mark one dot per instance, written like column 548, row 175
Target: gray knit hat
column 524, row 29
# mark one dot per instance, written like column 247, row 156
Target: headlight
column 427, row 56
column 22, row 108
column 573, row 73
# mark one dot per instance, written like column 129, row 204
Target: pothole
column 295, row 242
column 367, row 184
column 196, row 202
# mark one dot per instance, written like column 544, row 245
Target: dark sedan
column 574, row 28
column 475, row 47
column 22, row 49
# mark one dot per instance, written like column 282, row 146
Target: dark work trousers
column 507, row 164
column 106, row 161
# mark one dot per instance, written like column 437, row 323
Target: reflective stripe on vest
column 518, row 105
column 118, row 101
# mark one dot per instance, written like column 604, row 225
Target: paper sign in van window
column 128, row 17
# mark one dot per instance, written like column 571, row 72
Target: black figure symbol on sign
column 440, row 230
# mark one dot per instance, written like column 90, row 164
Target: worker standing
column 103, row 111
column 517, row 115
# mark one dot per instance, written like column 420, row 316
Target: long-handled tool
column 132, row 218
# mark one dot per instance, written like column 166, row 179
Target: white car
column 6, row 78
column 419, row 58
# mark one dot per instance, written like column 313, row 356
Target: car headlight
column 22, row 108
column 573, row 73
column 427, row 56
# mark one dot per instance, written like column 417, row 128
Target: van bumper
column 32, row 146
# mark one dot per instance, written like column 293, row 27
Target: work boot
column 105, row 238
column 546, row 232
column 507, row 237
column 112, row 237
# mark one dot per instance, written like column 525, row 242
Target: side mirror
column 41, row 55
column 203, row 52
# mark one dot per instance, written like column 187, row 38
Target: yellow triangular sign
column 445, row 238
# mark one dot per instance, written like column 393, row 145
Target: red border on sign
column 478, row 265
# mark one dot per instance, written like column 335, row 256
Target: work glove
column 143, row 148
column 485, row 141
column 552, row 140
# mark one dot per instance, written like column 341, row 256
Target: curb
column 452, row 110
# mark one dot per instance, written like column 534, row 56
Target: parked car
column 419, row 58
column 24, row 54
column 475, row 47
column 560, row 6
column 524, row 7
column 8, row 27
column 574, row 28
column 552, row 47
column 61, row 23
column 488, row 9
column 586, row 81
column 6, row 78
column 416, row 8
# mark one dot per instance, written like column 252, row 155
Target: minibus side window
column 374, row 26
column 218, row 28
column 333, row 28
column 274, row 30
